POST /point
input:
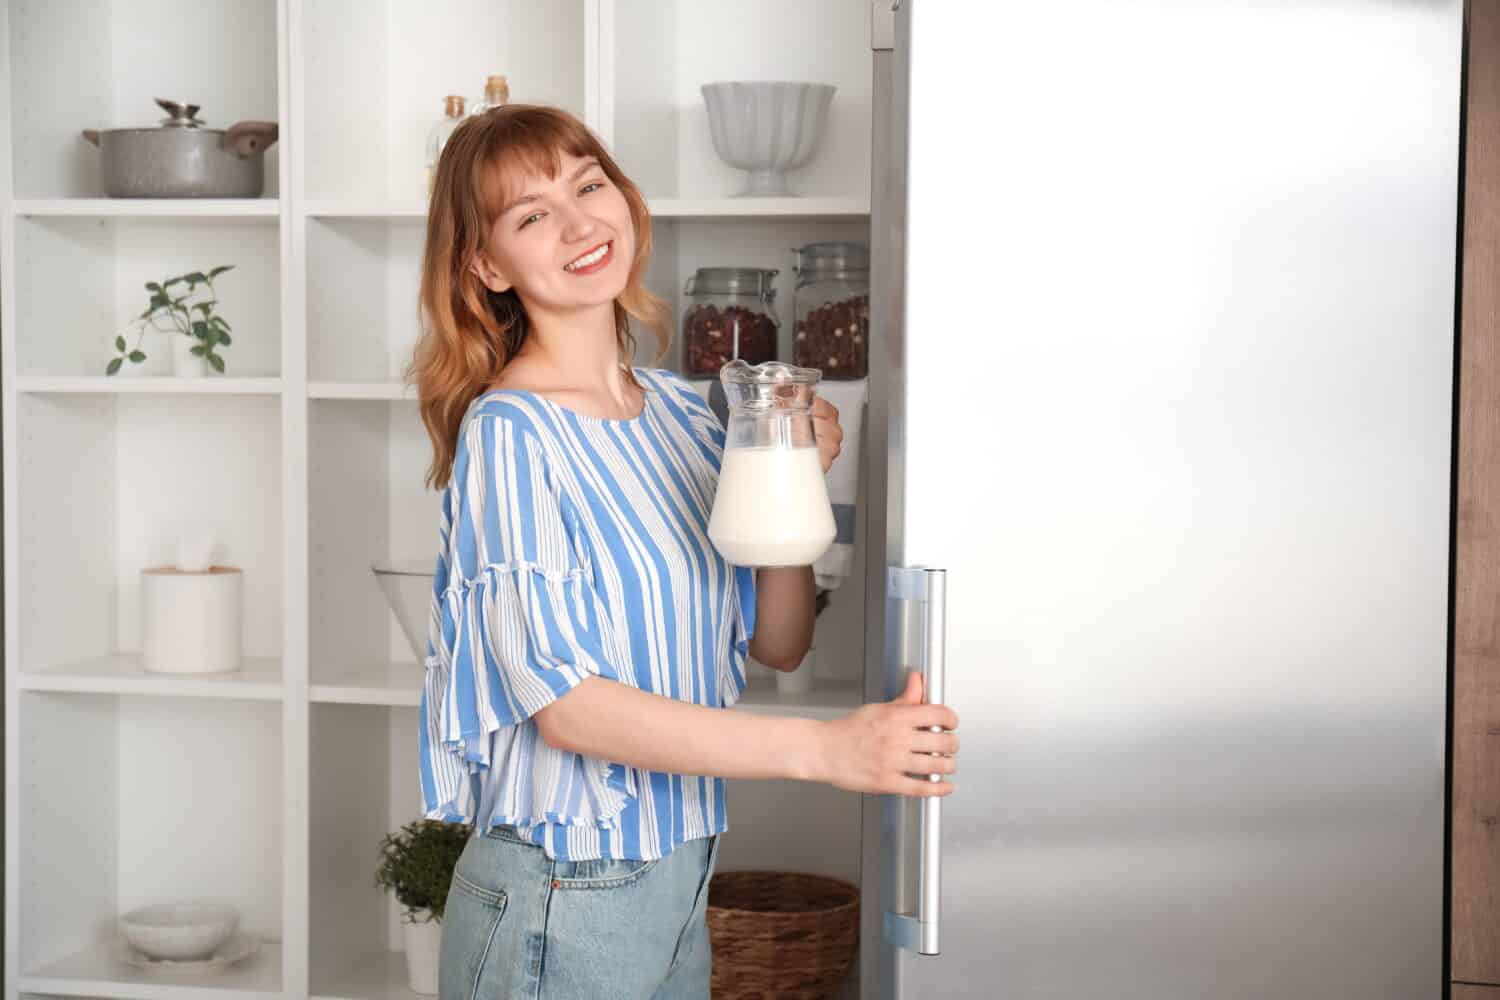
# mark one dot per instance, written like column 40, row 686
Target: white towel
column 848, row 397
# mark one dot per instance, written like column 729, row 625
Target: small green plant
column 179, row 311
column 417, row 862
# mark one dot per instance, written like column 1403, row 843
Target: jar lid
column 832, row 256
column 733, row 280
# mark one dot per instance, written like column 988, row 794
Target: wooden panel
column 1476, row 748
column 1469, row 991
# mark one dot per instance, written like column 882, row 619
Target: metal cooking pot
column 182, row 159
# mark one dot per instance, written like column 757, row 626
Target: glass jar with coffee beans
column 831, row 304
column 730, row 314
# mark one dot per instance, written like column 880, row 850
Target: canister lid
column 832, row 256
column 453, row 106
column 733, row 281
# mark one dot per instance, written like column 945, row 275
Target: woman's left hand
column 826, row 429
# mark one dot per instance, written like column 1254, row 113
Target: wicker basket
column 787, row 935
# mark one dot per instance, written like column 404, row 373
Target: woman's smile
column 595, row 260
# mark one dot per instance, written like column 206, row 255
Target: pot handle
column 249, row 138
column 92, row 135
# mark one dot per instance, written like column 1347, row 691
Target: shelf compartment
column 215, row 385
column 148, row 803
column 150, row 208
column 394, row 684
column 122, row 673
column 367, row 504
column 830, row 698
column 95, row 972
column 759, row 812
column 388, row 389
column 399, row 684
column 379, row 974
column 684, row 245
column 95, row 64
column 362, row 281
column 360, row 343
column 81, row 281
column 833, row 207
column 103, row 481
column 363, row 785
column 376, row 149
column 654, row 118
column 830, row 207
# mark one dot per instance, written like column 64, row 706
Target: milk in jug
column 771, row 508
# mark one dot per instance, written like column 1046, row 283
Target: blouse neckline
column 608, row 421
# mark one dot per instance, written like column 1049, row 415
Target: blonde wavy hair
column 469, row 333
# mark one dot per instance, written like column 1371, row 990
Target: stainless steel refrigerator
column 1162, row 403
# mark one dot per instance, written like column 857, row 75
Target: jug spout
column 773, row 384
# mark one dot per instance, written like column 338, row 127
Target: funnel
column 407, row 587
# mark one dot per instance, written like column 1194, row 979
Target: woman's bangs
column 515, row 161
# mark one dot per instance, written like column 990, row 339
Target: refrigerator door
column 1164, row 318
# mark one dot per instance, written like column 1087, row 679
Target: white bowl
column 767, row 128
column 407, row 586
column 179, row 930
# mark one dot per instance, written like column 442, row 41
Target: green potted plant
column 186, row 305
column 416, row 863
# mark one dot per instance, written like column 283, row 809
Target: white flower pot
column 799, row 681
column 186, row 364
column 424, row 945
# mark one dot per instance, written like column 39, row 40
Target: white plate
column 238, row 947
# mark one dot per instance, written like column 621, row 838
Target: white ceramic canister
column 190, row 621
column 799, row 681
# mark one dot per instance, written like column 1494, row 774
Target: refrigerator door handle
column 919, row 931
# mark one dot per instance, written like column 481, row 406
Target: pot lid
column 180, row 114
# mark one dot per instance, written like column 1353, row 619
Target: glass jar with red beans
column 730, row 314
column 831, row 304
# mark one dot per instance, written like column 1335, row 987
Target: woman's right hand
column 878, row 746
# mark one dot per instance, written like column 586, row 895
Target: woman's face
column 564, row 244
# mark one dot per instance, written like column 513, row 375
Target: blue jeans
column 520, row 926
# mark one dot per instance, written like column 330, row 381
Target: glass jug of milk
column 771, row 508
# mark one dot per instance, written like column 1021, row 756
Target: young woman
column 585, row 636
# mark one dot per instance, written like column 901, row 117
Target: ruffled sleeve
column 515, row 624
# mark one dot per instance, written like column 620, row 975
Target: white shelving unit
column 271, row 788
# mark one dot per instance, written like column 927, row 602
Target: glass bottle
column 831, row 304
column 730, row 315
column 437, row 137
column 771, row 507
column 496, row 94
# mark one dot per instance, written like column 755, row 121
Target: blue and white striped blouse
column 576, row 546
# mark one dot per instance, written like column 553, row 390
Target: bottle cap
column 453, row 106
